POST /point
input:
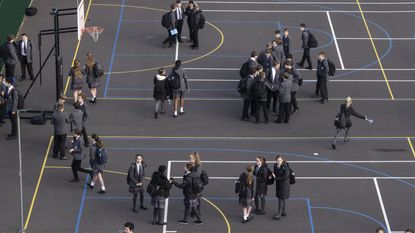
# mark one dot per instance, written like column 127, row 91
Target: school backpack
column 175, row 80
column 332, row 68
column 292, row 175
column 98, row 70
column 4, row 52
column 202, row 21
column 244, row 71
column 20, row 99
column 240, row 185
column 270, row 178
column 165, row 20
column 204, row 177
column 312, row 40
column 101, row 155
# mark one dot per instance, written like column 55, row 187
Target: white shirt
column 273, row 73
column 24, row 44
column 179, row 13
column 139, row 168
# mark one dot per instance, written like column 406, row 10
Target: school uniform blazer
column 296, row 79
column 134, row 176
column 186, row 186
column 248, row 94
column 279, row 53
column 60, row 123
column 78, row 152
column 285, row 90
column 286, row 42
column 29, row 50
column 12, row 58
column 322, row 68
column 85, row 110
column 261, row 175
column 282, row 181
column 189, row 13
column 76, row 119
column 348, row 112
column 11, row 100
column 305, row 37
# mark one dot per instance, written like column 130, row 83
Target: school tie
column 25, row 48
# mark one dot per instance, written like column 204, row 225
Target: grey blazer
column 60, row 123
column 12, row 58
column 305, row 37
column 279, row 53
column 76, row 119
column 285, row 90
column 78, row 152
column 85, row 110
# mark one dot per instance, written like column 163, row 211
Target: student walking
column 136, row 176
column 12, row 98
column 322, row 77
column 305, row 37
column 189, row 12
column 261, row 88
column 343, row 122
column 77, row 79
column 286, row 42
column 284, row 91
column 179, row 86
column 78, row 153
column 97, row 163
column 158, row 201
column 60, row 129
column 282, row 185
column 190, row 197
column 10, row 56
column 85, row 116
column 197, row 22
column 92, row 76
column 25, row 49
column 247, row 192
column 169, row 22
column 161, row 91
column 261, row 172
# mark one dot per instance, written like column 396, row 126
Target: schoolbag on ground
column 175, row 80
column 332, row 68
column 202, row 21
column 242, row 85
column 20, row 99
column 101, row 155
column 240, row 185
column 98, row 70
column 165, row 20
column 312, row 40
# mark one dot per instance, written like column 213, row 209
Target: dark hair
column 162, row 168
column 77, row 131
column 322, row 53
column 10, row 37
column 277, row 32
column 76, row 105
column 250, row 176
column 262, row 159
column 83, row 96
column 129, row 225
column 379, row 229
column 177, row 64
column 268, row 45
column 285, row 29
column 24, row 34
column 189, row 166
column 63, row 97
column 289, row 56
column 162, row 70
column 172, row 6
column 274, row 63
column 252, row 71
column 288, row 63
column 9, row 80
column 302, row 25
column 279, row 156
column 254, row 54
column 259, row 67
column 97, row 140
column 278, row 41
column 178, row 1
column 262, row 75
column 268, row 51
column 142, row 162
column 409, row 230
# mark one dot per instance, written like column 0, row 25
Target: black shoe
column 164, row 46
column 315, row 96
column 261, row 212
column 180, row 41
column 156, row 115
column 300, row 65
column 154, row 222
column 198, row 222
column 309, row 68
column 244, row 221
column 245, row 118
column 161, row 223
column 91, row 101
column 194, row 47
column 333, row 146
column 250, row 218
column 22, row 78
column 322, row 101
column 284, row 214
column 286, row 121
column 182, row 113
column 174, row 115
column 9, row 138
column 101, row 191
column 143, row 208
column 277, row 217
column 184, row 222
column 63, row 158
column 54, row 156
column 74, row 181
column 89, row 185
column 135, row 211
column 278, row 121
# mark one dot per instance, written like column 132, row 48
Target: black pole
column 58, row 58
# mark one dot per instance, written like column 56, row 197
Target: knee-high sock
column 141, row 199
column 262, row 203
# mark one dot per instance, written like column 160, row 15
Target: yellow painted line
column 77, row 48
column 170, row 65
column 221, row 213
column 38, row 184
column 375, row 50
column 412, row 147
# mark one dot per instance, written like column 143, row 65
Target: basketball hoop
column 94, row 31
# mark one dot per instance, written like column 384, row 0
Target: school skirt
column 158, row 202
column 136, row 189
column 192, row 203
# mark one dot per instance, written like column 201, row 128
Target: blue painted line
column 151, row 89
column 310, row 215
column 270, row 153
column 81, row 207
column 114, row 48
column 353, row 212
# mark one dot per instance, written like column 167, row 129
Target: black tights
column 141, row 199
column 281, row 206
column 262, row 198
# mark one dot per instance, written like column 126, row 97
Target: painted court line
column 318, row 178
column 306, row 161
column 377, row 38
column 382, row 206
column 335, row 40
column 346, row 69
column 309, row 11
column 334, row 80
column 304, row 3
column 166, row 209
column 411, row 146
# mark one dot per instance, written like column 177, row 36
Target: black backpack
column 165, row 20
column 312, row 40
column 332, row 68
column 292, row 175
column 240, row 185
column 202, row 21
column 244, row 71
column 98, row 70
column 175, row 80
column 20, row 99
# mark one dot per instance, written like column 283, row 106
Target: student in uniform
column 179, row 93
column 297, row 81
column 322, row 77
column 277, row 34
column 195, row 173
column 261, row 88
column 11, row 107
column 77, row 79
column 11, row 56
column 25, row 49
column 305, row 36
column 190, row 198
column 161, row 91
column 98, row 169
column 3, row 91
column 170, row 41
column 75, row 118
column 60, row 129
column 266, row 60
column 343, row 121
column 274, row 79
column 158, row 201
column 196, row 21
column 61, row 100
column 189, row 12
column 251, row 64
column 286, row 42
column 282, row 185
column 136, row 176
column 247, row 193
column 85, row 110
column 279, row 51
column 78, row 153
column 246, row 93
column 179, row 20
column 284, row 91
column 261, row 172
column 91, row 78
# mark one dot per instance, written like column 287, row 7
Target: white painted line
column 307, row 11
column 318, row 178
column 346, row 69
column 176, row 57
column 305, row 3
column 382, row 206
column 171, row 231
column 335, row 40
column 397, row 38
column 166, row 209
column 333, row 80
column 305, row 161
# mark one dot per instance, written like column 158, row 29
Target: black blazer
column 133, row 175
column 261, row 178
